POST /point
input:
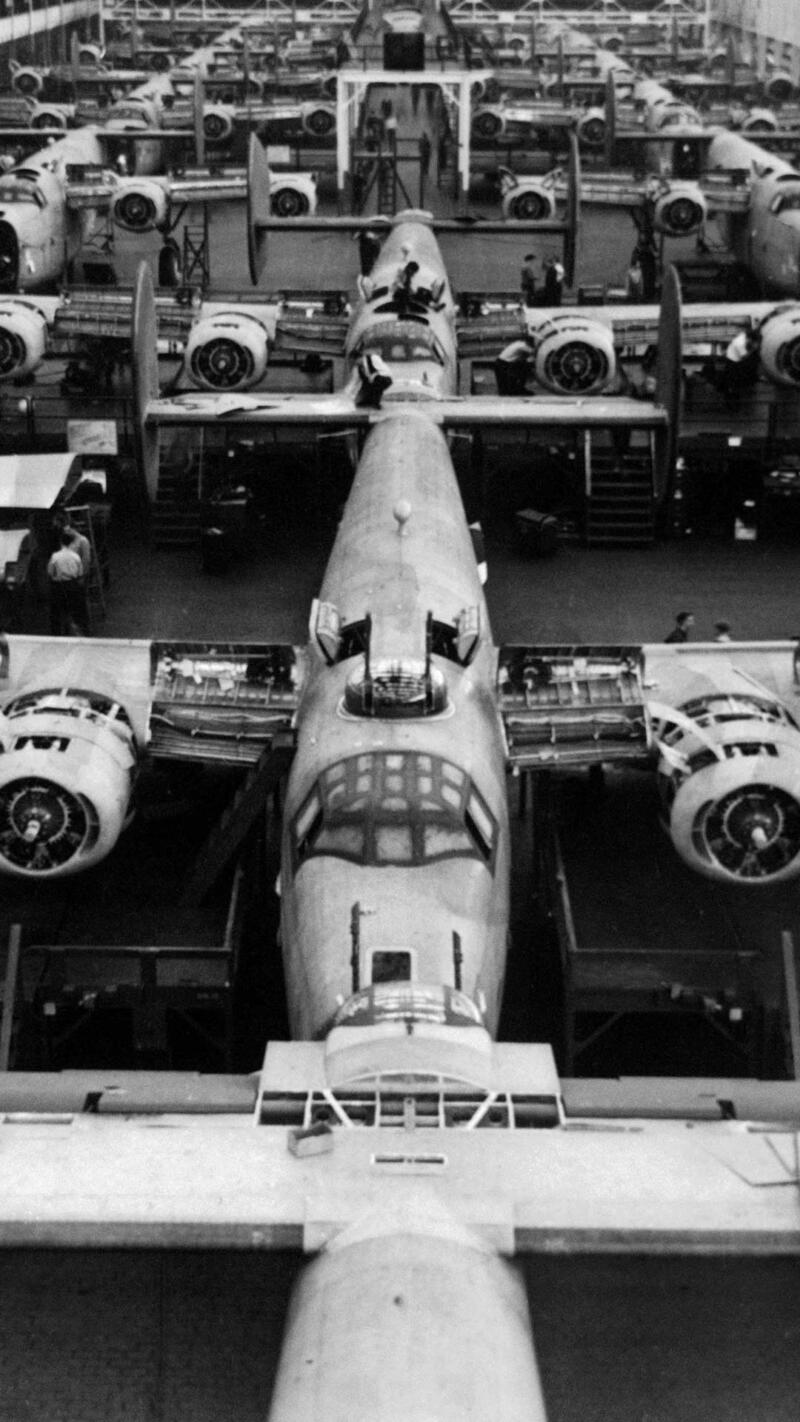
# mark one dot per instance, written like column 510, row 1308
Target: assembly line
column 304, row 945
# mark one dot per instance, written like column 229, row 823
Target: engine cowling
column 140, row 206
column 573, row 355
column 227, row 351
column 530, row 202
column 488, row 122
column 730, row 789
column 679, row 210
column 780, row 345
column 318, row 119
column 288, row 200
column 66, row 779
column 591, row 129
column 27, row 81
column 90, row 54
column 49, row 116
column 779, row 88
column 23, row 338
column 217, row 123
column 760, row 121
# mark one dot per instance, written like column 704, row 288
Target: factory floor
column 88, row 1337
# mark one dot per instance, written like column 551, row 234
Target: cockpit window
column 129, row 111
column 402, row 344
column 394, row 808
column 16, row 190
column 788, row 201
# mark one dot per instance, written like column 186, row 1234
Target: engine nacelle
column 488, row 122
column 66, row 780
column 573, row 355
column 679, row 210
column 217, row 123
column 49, row 116
column 528, row 201
column 27, row 81
column 140, row 206
column 227, row 352
column 731, row 789
column 760, row 121
column 780, row 344
column 591, row 129
column 318, row 119
column 90, row 54
column 779, row 88
column 293, row 195
column 23, row 338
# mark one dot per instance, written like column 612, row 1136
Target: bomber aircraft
column 696, row 172
column 720, row 730
column 402, row 717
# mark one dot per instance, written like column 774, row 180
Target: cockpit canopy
column 14, row 188
column 393, row 689
column 440, row 1006
column 401, row 341
column 401, row 808
column 788, row 200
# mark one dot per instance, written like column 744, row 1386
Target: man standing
column 528, row 280
column 82, row 546
column 553, row 282
column 67, row 589
column 513, row 366
column 634, row 281
column 683, row 624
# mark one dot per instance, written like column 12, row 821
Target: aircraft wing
column 565, row 706
column 572, row 705
column 677, row 672
column 235, row 1163
column 97, row 188
column 198, row 408
column 35, row 136
column 189, row 701
column 634, row 326
column 321, row 410
column 485, row 335
column 207, row 185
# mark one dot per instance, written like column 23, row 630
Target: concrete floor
column 194, row 1337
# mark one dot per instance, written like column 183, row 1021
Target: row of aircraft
column 405, row 718
column 751, row 193
column 711, row 748
column 754, row 193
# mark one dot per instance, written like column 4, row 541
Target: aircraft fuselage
column 767, row 237
column 411, row 328
column 396, row 825
column 38, row 235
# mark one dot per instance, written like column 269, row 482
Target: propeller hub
column 753, row 832
column 42, row 825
